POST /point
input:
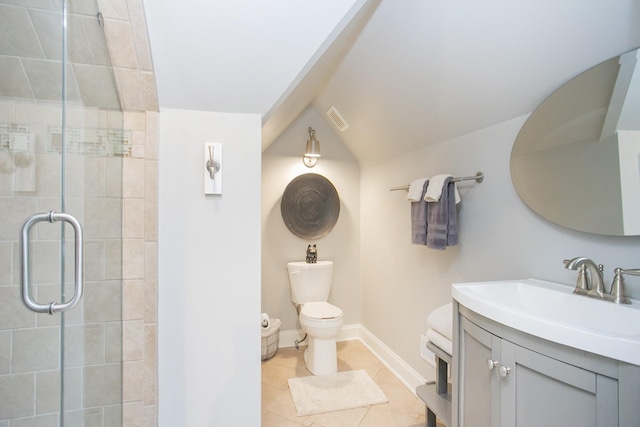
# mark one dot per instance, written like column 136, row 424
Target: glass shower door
column 61, row 150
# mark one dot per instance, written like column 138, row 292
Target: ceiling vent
column 337, row 119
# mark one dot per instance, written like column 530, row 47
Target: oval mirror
column 310, row 206
column 576, row 160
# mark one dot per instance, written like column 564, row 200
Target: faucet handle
column 617, row 287
column 582, row 284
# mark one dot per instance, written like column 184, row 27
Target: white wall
column 500, row 238
column 209, row 273
column 282, row 162
column 235, row 56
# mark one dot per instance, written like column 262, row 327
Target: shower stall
column 62, row 146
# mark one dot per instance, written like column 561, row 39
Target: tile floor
column 404, row 409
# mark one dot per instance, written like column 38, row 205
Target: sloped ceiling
column 416, row 72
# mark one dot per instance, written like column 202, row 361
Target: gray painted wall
column 500, row 238
column 282, row 162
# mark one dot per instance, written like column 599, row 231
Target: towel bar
column 479, row 177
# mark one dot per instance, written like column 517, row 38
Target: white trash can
column 270, row 338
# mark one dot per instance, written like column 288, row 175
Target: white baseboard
column 405, row 373
column 347, row 333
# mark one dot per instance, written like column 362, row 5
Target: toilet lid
column 320, row 310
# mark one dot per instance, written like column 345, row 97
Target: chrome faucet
column 591, row 285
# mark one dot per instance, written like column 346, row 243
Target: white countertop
column 551, row 311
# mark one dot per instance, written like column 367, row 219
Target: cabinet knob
column 492, row 364
column 504, row 371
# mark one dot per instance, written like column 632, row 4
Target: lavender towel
column 419, row 219
column 442, row 220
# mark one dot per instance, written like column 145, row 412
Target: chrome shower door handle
column 52, row 307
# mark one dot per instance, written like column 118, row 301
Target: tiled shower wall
column 111, row 209
column 126, row 34
column 139, row 253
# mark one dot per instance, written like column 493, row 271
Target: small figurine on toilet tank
column 312, row 254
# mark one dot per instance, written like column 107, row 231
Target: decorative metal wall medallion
column 310, row 206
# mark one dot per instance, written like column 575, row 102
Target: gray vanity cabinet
column 479, row 392
column 505, row 378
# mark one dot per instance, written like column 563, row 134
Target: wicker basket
column 270, row 338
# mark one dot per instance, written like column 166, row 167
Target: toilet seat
column 320, row 311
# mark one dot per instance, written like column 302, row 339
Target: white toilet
column 310, row 286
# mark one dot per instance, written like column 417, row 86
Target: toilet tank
column 310, row 282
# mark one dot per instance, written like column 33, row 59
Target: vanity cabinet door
column 541, row 391
column 502, row 384
column 479, row 390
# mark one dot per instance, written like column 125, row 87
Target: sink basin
column 551, row 311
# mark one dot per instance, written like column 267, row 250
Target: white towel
column 441, row 320
column 440, row 341
column 434, row 189
column 415, row 190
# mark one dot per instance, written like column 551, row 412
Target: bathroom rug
column 334, row 392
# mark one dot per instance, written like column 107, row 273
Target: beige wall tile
column 150, row 282
column 94, row 343
column 5, row 352
column 114, row 176
column 138, row 137
column 94, row 255
column 133, row 256
column 115, row 9
column 95, row 179
column 7, row 112
column 30, row 113
column 103, row 218
column 135, row 121
column 34, row 349
column 114, row 120
column 137, row 151
column 113, row 416
column 102, row 302
column 103, row 384
column 133, row 414
column 133, row 177
column 113, row 342
column 121, row 44
column 6, row 263
column 130, row 89
column 151, row 151
column 134, row 218
column 133, row 340
column 48, row 391
column 113, row 259
column 150, row 364
column 139, row 25
column 149, row 92
column 14, row 211
column 13, row 314
column 133, row 381
column 151, row 200
column 133, row 301
column 150, row 416
column 18, row 395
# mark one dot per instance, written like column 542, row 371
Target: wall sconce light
column 312, row 152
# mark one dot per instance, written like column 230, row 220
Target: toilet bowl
column 322, row 322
